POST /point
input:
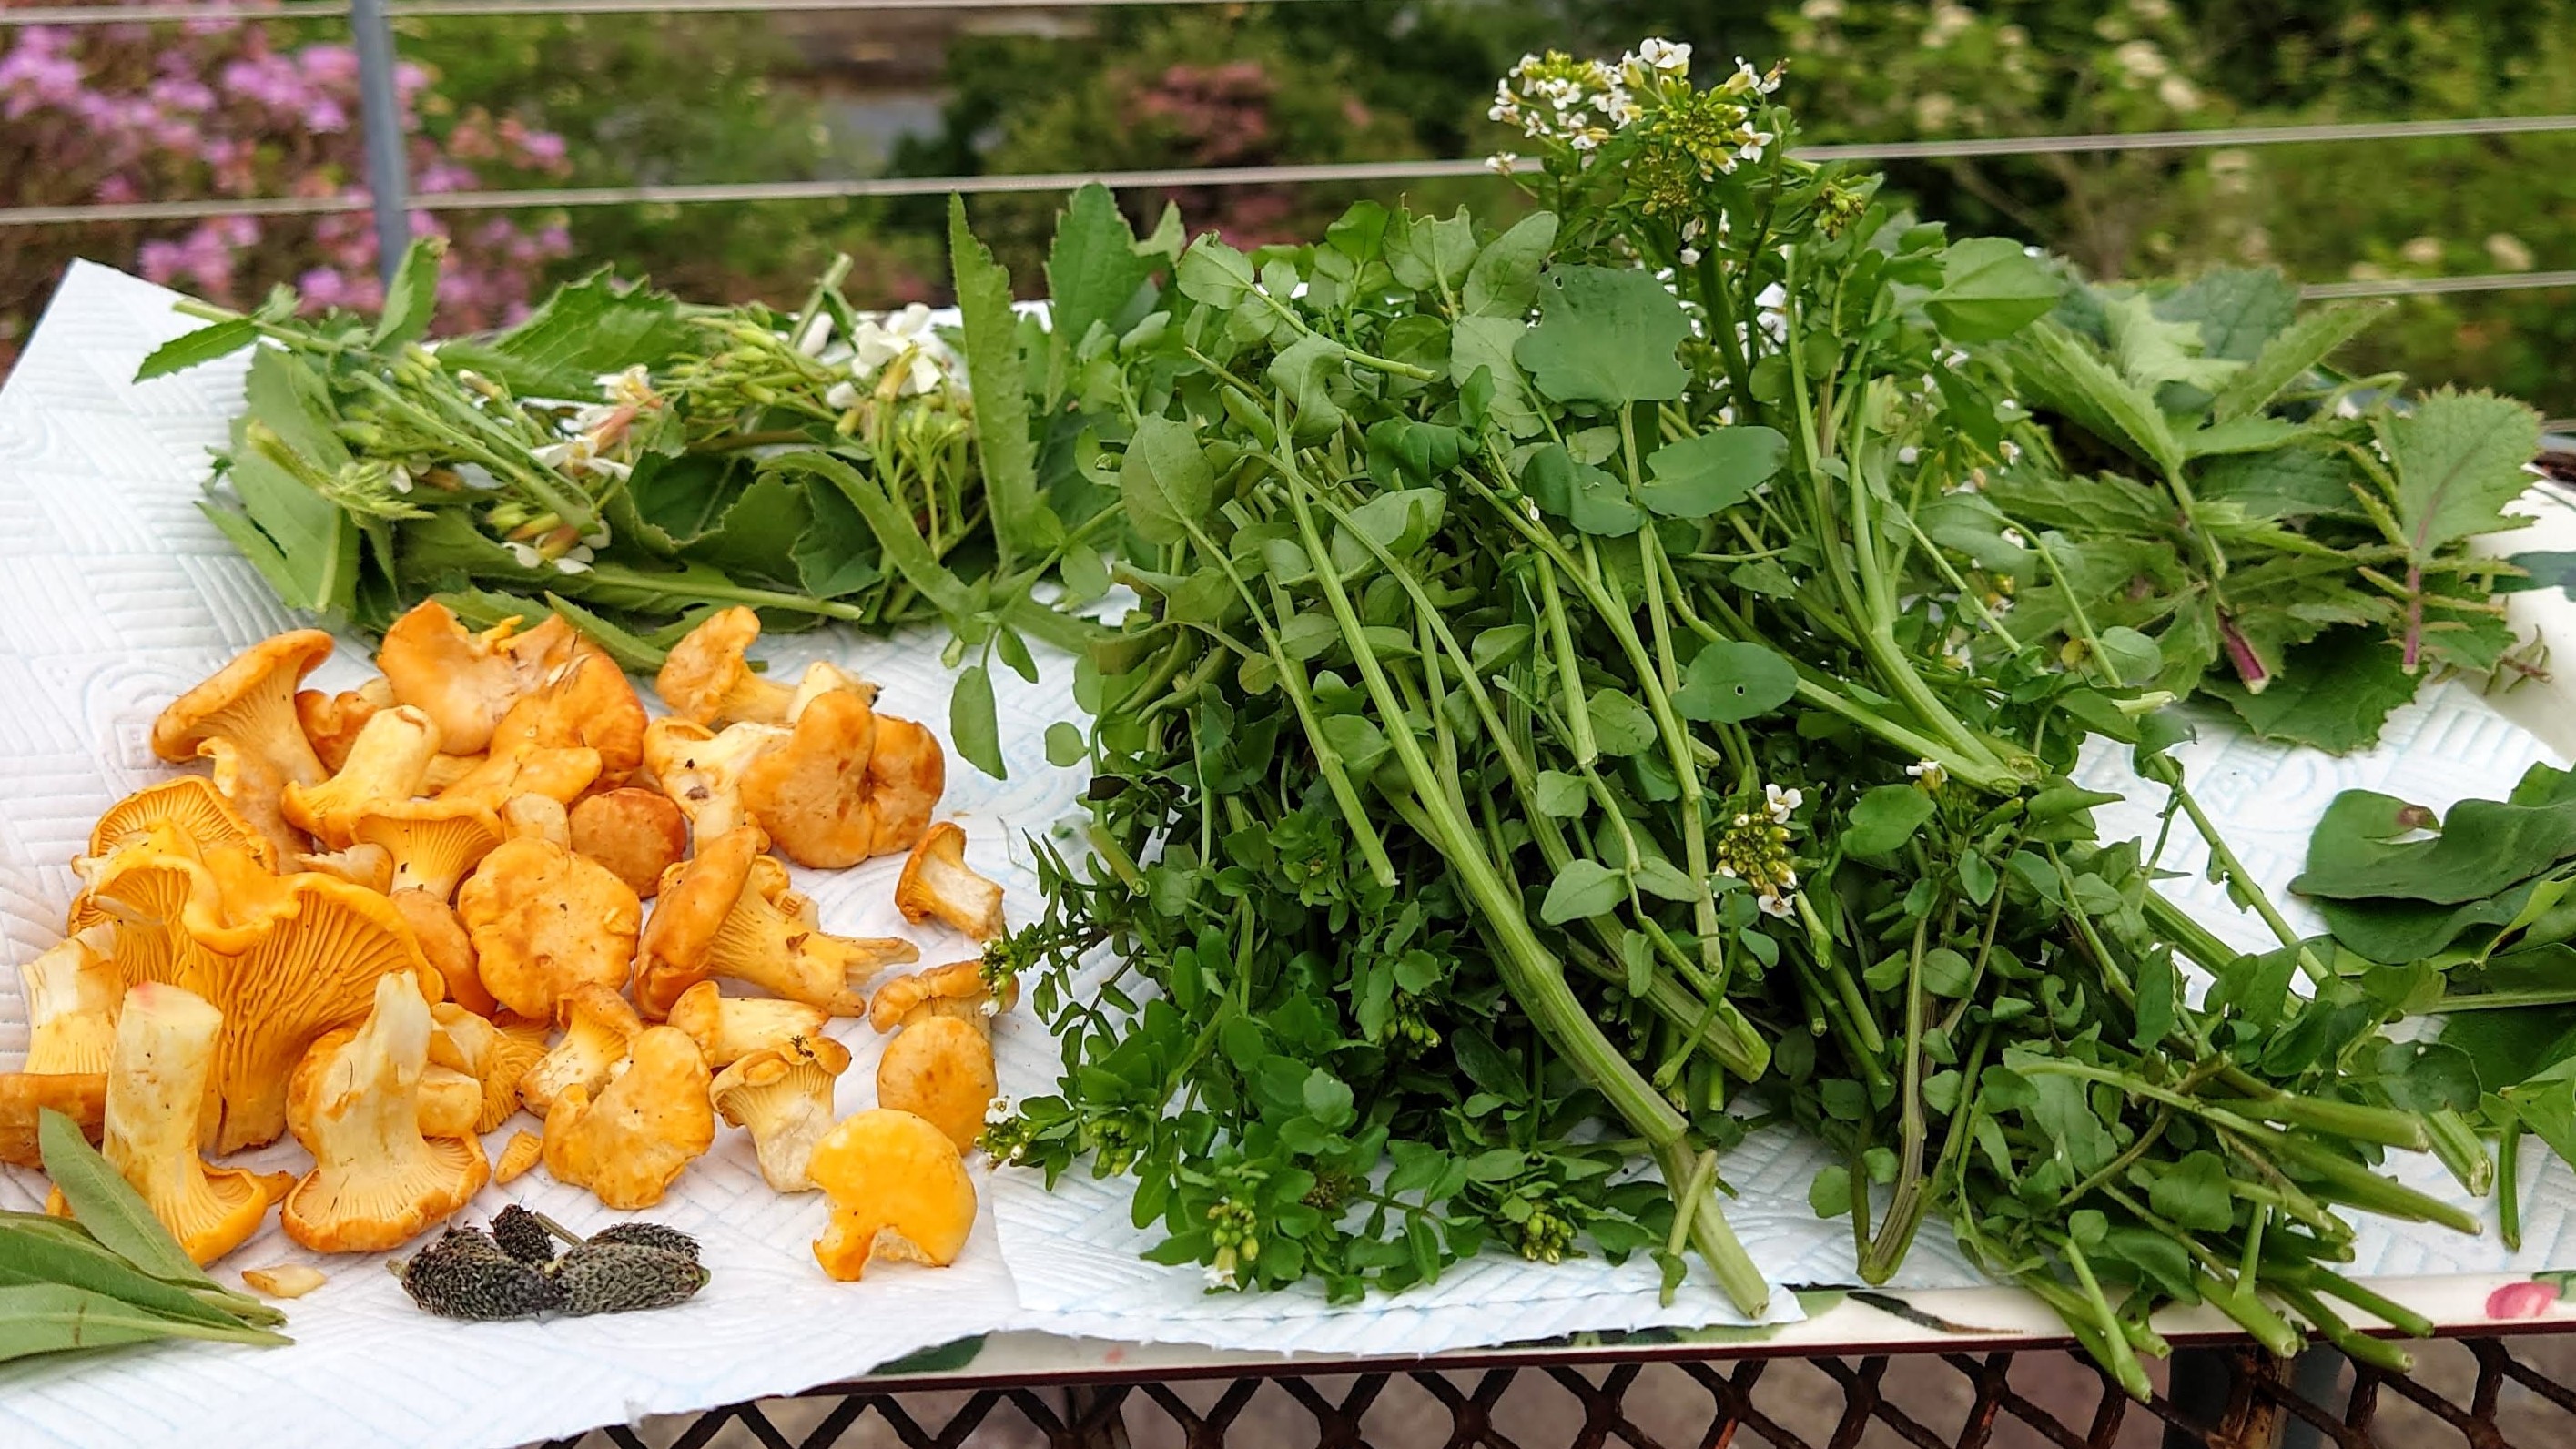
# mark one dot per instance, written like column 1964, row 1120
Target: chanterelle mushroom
column 282, row 962
column 707, row 681
column 941, row 1070
column 498, row 1060
column 250, row 701
column 598, row 1028
column 846, row 784
column 376, row 1181
column 958, row 989
column 585, row 702
column 494, row 780
column 702, row 772
column 898, row 1190
column 433, row 842
column 646, row 1126
column 166, row 1042
column 636, row 833
column 25, row 1097
column 254, row 788
column 729, row 1028
column 72, row 991
column 463, row 680
column 783, row 1094
column 544, row 921
column 332, row 721
column 730, row 912
column 448, row 948
column 937, row 882
column 193, row 805
column 385, row 768
column 371, row 866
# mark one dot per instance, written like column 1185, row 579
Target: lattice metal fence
column 2483, row 1393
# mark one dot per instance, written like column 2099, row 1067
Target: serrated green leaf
column 412, row 295
column 1093, row 271
column 585, row 329
column 2239, row 309
column 2287, row 357
column 2459, row 458
column 2334, row 693
column 998, row 374
column 2150, row 351
column 898, row 541
column 193, row 349
column 2061, row 372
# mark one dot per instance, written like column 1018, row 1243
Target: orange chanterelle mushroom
column 377, row 1182
column 898, row 1190
column 729, row 912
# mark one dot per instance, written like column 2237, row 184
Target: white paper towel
column 115, row 594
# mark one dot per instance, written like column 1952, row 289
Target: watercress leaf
column 1327, row 1099
column 2193, row 1194
column 1561, row 795
column 1358, row 740
column 1503, row 282
column 1620, row 725
column 412, row 295
column 1304, row 370
column 1885, row 818
column 1606, row 335
column 2458, row 458
column 1582, row 888
column 1085, row 573
column 1585, row 496
column 192, row 349
column 1830, row 1194
column 1064, row 745
column 973, row 724
column 1431, row 254
column 1657, row 876
column 998, row 372
column 2334, row 692
column 1977, row 877
column 1717, row 469
column 1729, row 682
column 1165, row 480
column 1358, row 233
column 1990, row 289
column 1948, row 974
column 2485, row 847
column 1480, row 363
column 1214, row 275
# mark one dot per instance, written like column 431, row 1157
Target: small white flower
column 1928, row 773
column 526, row 556
column 398, row 478
column 841, row 397
column 1909, row 455
column 597, row 537
column 1219, row 1275
column 630, row 388
column 997, row 1111
column 477, row 477
column 1671, row 57
column 1782, row 803
column 571, row 565
column 817, row 332
column 1773, row 904
column 1690, row 256
column 1502, row 162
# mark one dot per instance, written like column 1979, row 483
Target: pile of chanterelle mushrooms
column 387, row 919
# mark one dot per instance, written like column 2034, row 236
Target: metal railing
column 389, row 197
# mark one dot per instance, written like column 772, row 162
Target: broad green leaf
column 1990, row 289
column 1585, row 496
column 1885, row 818
column 1483, row 347
column 2061, row 372
column 1360, row 232
column 52, row 1317
column 633, row 653
column 973, row 724
column 1503, row 282
column 1358, row 740
column 2288, row 357
column 79, row 1261
column 585, row 329
column 837, row 556
column 1431, row 254
column 191, row 349
column 1093, row 271
column 114, row 1213
column 412, row 295
column 898, row 541
column 2156, row 985
column 1582, row 888
column 2193, row 1194
column 2459, row 458
column 2151, row 352
column 998, row 374
column 1165, row 480
column 1213, row 274
column 1717, row 469
column 2334, row 693
column 2253, row 433
column 1606, row 335
column 1728, row 682
column 2485, row 846
column 2239, row 309
column 1562, row 795
column 2396, row 932
column 1304, row 370
column 1620, row 725
column 758, row 534
column 1830, row 1194
column 2133, row 658
column 1327, row 1099
column 1400, row 523
column 1065, row 747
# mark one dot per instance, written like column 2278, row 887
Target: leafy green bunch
column 1552, row 724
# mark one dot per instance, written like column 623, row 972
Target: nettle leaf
column 2062, row 373
column 998, row 373
column 2151, row 352
column 1606, row 335
column 1582, row 888
column 2334, row 692
column 412, row 295
column 191, row 349
column 1165, row 480
column 2459, row 459
column 1729, row 682
column 1885, row 818
column 1718, row 469
column 1504, row 280
column 1590, row 499
column 2289, row 356
column 586, row 328
column 2239, row 309
column 1990, row 289
column 1213, row 274
column 1093, row 270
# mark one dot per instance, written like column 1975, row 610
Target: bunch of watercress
column 1560, row 708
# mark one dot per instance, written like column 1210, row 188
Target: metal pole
column 380, row 109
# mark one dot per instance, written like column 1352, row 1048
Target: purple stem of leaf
column 2249, row 665
column 2414, row 643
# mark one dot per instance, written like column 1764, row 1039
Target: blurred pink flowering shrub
column 122, row 113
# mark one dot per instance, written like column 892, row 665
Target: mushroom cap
column 252, row 702
column 899, row 1189
column 645, row 1127
column 702, row 771
column 72, row 992
column 729, row 1028
column 376, row 1182
column 941, row 1070
column 446, row 945
column 497, row 779
column 433, row 842
column 371, row 866
column 538, row 817
column 497, row 1056
column 905, row 998
column 783, row 1094
column 584, row 702
column 256, row 791
column 706, row 680
column 282, row 964
column 192, row 804
column 937, row 882
column 386, row 767
column 847, row 784
column 822, row 676
column 696, row 897
column 544, row 920
column 331, row 721
column 168, row 1042
column 464, row 680
column 598, row 1028
column 24, row 1097
column 636, row 833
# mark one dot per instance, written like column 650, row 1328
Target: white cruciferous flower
column 579, row 455
column 1928, row 773
column 899, row 340
column 1782, row 803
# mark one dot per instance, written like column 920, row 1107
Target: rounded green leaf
column 1728, row 682
column 1606, row 335
column 1885, row 818
column 1582, row 888
column 1721, row 467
